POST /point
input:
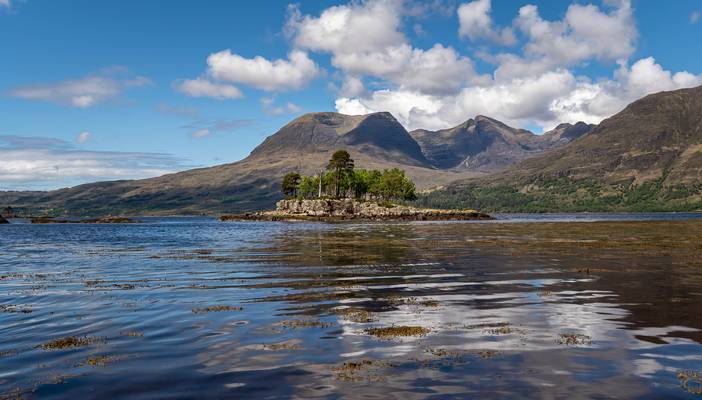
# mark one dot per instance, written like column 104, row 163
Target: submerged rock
column 350, row 209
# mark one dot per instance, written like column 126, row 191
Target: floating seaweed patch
column 573, row 339
column 12, row 308
column 282, row 346
column 304, row 323
column 487, row 354
column 101, row 361
column 361, row 371
column 220, row 308
column 691, row 381
column 355, row 315
column 392, row 332
column 69, row 342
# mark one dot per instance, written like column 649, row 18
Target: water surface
column 552, row 306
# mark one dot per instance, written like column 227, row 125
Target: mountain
column 485, row 144
column 305, row 144
column 648, row 157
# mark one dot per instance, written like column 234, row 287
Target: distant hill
column 305, row 144
column 648, row 157
column 486, row 145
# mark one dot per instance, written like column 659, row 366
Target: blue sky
column 128, row 89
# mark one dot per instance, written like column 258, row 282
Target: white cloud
column 32, row 163
column 476, row 23
column 269, row 107
column 585, row 33
column 201, row 133
column 201, row 87
column 536, row 85
column 83, row 137
column 5, row 3
column 82, row 93
column 546, row 99
column 357, row 27
column 261, row 73
column 365, row 39
column 352, row 86
column 695, row 17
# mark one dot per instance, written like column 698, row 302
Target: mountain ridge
column 648, row 157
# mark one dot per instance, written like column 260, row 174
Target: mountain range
column 647, row 157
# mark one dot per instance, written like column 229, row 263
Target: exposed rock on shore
column 349, row 209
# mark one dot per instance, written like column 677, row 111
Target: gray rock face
column 485, row 144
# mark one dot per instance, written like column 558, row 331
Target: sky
column 124, row 89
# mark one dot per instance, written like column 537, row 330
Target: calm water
column 533, row 307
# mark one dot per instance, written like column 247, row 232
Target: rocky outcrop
column 3, row 220
column 349, row 209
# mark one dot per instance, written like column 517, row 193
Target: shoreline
column 341, row 210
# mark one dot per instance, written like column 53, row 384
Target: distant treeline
column 341, row 179
column 567, row 195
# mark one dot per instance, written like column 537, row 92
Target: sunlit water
column 534, row 307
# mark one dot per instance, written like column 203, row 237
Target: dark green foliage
column 290, row 184
column 393, row 184
column 567, row 195
column 309, row 187
column 341, row 164
column 342, row 180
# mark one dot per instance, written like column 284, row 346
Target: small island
column 344, row 193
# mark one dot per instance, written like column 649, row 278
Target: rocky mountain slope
column 486, row 145
column 647, row 157
column 305, row 145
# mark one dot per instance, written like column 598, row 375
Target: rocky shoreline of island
column 337, row 210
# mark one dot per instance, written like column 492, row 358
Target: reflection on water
column 197, row 308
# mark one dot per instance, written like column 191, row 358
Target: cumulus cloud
column 356, row 27
column 365, row 39
column 586, row 32
column 476, row 23
column 84, row 92
column 37, row 163
column 83, row 137
column 545, row 99
column 262, row 73
column 201, row 87
column 535, row 85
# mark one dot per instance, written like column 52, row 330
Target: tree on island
column 342, row 180
column 341, row 164
column 393, row 184
column 290, row 185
